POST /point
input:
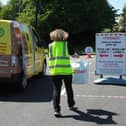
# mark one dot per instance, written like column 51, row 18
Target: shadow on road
column 38, row 90
column 110, row 81
column 92, row 115
column 111, row 84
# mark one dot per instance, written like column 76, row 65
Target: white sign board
column 111, row 53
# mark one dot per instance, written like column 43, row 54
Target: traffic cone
column 89, row 55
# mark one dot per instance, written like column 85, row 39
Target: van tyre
column 44, row 70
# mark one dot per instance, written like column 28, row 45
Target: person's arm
column 72, row 51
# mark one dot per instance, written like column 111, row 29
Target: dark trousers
column 57, row 84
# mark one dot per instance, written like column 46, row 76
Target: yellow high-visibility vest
column 59, row 59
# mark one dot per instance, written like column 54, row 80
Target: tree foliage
column 122, row 20
column 81, row 18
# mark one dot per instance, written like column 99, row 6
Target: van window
column 25, row 37
column 36, row 37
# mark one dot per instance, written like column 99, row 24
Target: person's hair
column 59, row 35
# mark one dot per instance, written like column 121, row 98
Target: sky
column 4, row 1
column 117, row 4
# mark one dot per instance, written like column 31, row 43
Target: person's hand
column 75, row 55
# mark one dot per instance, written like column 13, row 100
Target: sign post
column 88, row 51
column 111, row 54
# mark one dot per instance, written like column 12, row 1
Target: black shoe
column 73, row 108
column 57, row 114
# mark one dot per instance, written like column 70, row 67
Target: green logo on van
column 1, row 31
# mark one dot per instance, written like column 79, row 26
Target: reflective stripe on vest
column 59, row 61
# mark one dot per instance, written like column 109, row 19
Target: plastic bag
column 80, row 74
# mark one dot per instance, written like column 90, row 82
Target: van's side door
column 38, row 52
column 28, row 50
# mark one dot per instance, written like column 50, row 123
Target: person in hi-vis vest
column 60, row 68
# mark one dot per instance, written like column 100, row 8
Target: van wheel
column 44, row 71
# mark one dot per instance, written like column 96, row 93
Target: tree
column 81, row 18
column 6, row 12
column 27, row 12
column 0, row 9
column 122, row 20
column 11, row 10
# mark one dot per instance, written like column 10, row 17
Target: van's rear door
column 5, row 37
column 5, row 48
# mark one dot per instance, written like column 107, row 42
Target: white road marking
column 101, row 96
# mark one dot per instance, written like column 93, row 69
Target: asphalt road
column 102, row 104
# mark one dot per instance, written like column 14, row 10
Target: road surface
column 102, row 104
